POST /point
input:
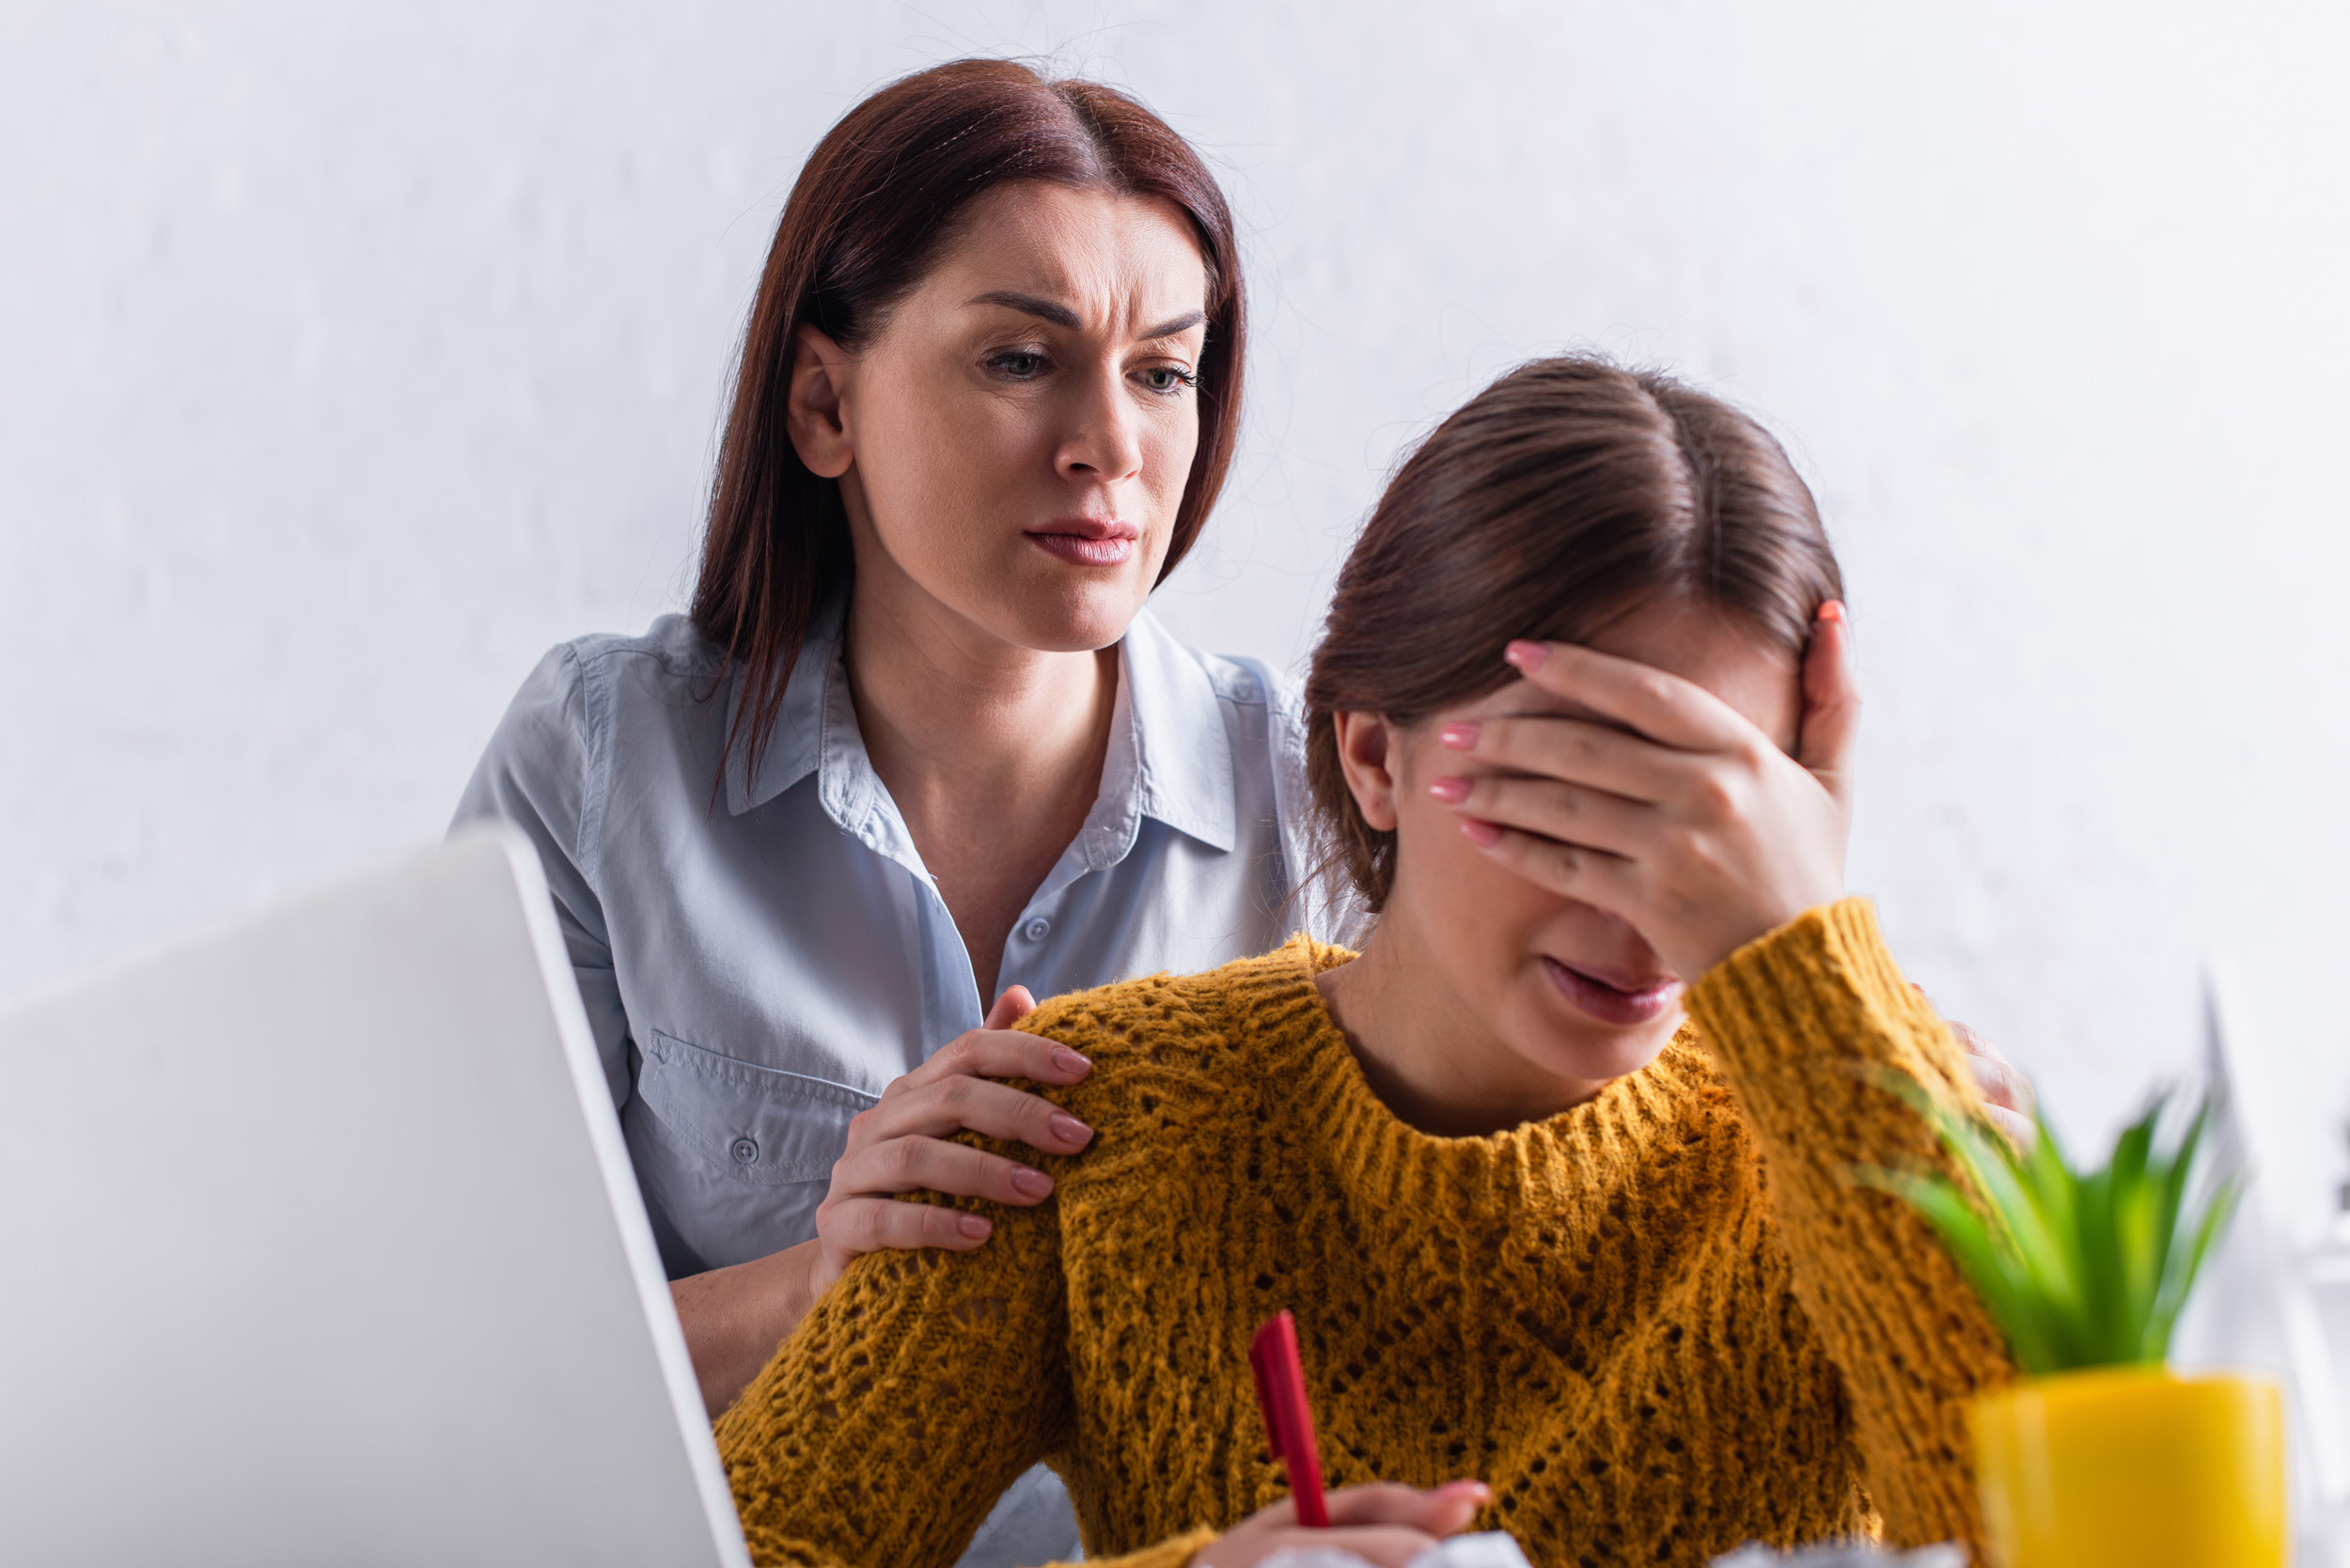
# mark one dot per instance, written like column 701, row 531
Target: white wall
column 350, row 356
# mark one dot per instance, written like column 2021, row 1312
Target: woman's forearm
column 734, row 1318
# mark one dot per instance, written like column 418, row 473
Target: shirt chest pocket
column 759, row 1124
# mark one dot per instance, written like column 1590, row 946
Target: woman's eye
column 1019, row 365
column 1167, row 377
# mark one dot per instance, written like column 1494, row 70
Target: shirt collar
column 1173, row 738
column 1170, row 756
column 794, row 745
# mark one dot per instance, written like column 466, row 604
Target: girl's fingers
column 1594, row 876
column 929, row 1165
column 1664, row 708
column 853, row 1225
column 1440, row 1511
column 1576, row 751
column 1381, row 1523
column 1831, row 703
column 1568, row 813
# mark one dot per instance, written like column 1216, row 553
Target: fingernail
column 1460, row 737
column 1525, row 656
column 973, row 1226
column 1070, row 1061
column 1031, row 1184
column 1483, row 835
column 1832, row 609
column 1068, row 1129
column 1451, row 790
column 1477, row 1489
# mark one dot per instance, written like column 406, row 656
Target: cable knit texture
column 1659, row 1324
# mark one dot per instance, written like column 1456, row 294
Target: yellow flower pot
column 2131, row 1467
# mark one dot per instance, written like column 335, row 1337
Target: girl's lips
column 1612, row 1004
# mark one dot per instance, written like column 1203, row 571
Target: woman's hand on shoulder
column 2006, row 1095
column 1673, row 812
column 1381, row 1524
column 900, row 1144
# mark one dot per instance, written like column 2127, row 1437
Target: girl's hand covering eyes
column 1385, row 1525
column 1694, row 828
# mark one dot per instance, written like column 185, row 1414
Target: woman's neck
column 1429, row 1052
column 993, row 753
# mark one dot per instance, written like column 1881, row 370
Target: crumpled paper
column 1491, row 1550
column 1860, row 1555
column 1496, row 1550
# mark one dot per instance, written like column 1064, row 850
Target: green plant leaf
column 2077, row 1268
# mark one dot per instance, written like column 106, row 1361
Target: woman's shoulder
column 672, row 649
column 1248, row 692
column 586, row 702
column 591, row 685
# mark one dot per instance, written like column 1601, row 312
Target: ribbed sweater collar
column 1379, row 1159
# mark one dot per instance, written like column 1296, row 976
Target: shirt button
column 1038, row 929
column 746, row 1151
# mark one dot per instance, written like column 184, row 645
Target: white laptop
column 319, row 1245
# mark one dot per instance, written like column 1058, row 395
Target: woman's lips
column 1087, row 540
column 1620, row 1005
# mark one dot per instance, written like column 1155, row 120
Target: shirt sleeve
column 1806, row 1021
column 537, row 774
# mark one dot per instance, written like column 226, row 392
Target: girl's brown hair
column 1562, row 496
column 865, row 221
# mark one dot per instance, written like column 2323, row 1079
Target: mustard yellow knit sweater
column 1659, row 1324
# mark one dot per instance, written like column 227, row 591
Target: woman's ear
column 1370, row 750
column 812, row 411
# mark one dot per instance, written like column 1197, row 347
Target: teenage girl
column 1554, row 1172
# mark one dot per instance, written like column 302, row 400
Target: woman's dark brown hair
column 864, row 223
column 1566, row 494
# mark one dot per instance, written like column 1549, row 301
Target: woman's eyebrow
column 1180, row 325
column 1061, row 315
column 1028, row 305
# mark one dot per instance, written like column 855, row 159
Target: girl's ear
column 812, row 410
column 1370, row 750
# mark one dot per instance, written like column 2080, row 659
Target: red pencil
column 1289, row 1421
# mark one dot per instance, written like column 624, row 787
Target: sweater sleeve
column 1803, row 1021
column 921, row 1385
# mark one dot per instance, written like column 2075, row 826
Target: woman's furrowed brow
column 1175, row 328
column 1028, row 305
column 1061, row 315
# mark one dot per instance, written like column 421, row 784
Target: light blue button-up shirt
column 761, row 957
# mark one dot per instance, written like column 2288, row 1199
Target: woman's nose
column 1107, row 442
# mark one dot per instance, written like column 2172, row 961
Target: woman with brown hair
column 1554, row 1172
column 919, row 744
